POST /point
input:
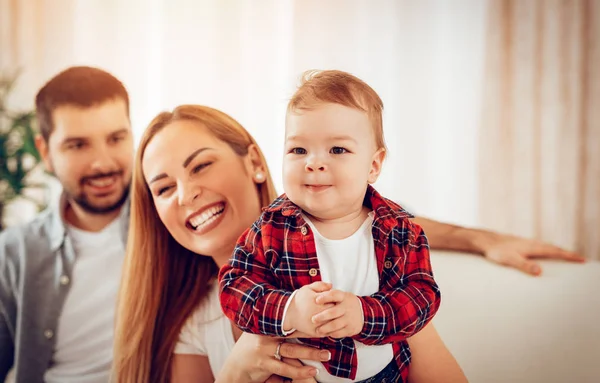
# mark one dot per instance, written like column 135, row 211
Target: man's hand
column 303, row 307
column 345, row 319
column 518, row 253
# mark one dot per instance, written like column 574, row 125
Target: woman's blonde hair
column 163, row 282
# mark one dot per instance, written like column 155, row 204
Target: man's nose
column 103, row 160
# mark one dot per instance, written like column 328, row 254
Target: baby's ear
column 376, row 165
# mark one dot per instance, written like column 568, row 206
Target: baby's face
column 330, row 158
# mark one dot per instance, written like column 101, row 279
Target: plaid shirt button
column 388, row 264
column 312, row 272
column 303, row 230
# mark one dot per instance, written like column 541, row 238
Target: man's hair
column 79, row 86
column 337, row 87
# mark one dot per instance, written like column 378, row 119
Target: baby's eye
column 338, row 150
column 298, row 151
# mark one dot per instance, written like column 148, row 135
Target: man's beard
column 86, row 205
column 82, row 200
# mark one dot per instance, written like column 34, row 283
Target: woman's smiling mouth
column 206, row 218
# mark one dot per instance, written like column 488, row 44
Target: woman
column 199, row 181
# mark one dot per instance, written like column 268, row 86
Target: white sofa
column 505, row 326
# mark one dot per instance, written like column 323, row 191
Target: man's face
column 90, row 151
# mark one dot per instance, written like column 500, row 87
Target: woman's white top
column 207, row 332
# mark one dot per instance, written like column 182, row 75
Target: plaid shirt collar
column 381, row 206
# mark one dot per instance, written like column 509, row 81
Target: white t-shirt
column 84, row 336
column 208, row 332
column 350, row 265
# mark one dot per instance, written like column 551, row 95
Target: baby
column 331, row 261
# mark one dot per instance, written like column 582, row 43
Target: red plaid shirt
column 274, row 257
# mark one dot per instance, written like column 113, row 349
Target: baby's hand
column 303, row 307
column 345, row 319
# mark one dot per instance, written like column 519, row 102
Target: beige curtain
column 540, row 135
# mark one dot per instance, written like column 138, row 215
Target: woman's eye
column 299, row 151
column 162, row 190
column 200, row 167
column 338, row 150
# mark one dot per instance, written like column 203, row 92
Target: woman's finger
column 283, row 369
column 275, row 379
column 292, row 362
column 298, row 351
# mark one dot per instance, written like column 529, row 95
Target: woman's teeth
column 207, row 216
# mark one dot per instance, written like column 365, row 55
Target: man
column 59, row 274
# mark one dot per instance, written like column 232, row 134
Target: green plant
column 18, row 155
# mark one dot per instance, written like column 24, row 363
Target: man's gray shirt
column 36, row 265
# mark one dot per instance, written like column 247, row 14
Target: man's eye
column 75, row 146
column 117, row 139
column 299, row 151
column 338, row 150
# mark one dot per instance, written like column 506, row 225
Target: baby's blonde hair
column 338, row 87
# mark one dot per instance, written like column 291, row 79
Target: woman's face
column 203, row 191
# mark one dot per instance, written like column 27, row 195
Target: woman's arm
column 187, row 368
column 504, row 249
column 431, row 361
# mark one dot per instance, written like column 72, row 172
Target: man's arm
column 7, row 349
column 504, row 249
column 6, row 303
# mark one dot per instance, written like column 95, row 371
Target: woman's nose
column 188, row 193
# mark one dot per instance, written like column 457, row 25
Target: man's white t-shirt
column 84, row 336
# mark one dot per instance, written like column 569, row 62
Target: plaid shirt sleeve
column 249, row 292
column 408, row 297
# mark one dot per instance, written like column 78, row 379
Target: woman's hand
column 252, row 360
column 292, row 362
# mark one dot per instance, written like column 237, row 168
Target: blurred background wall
column 492, row 113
